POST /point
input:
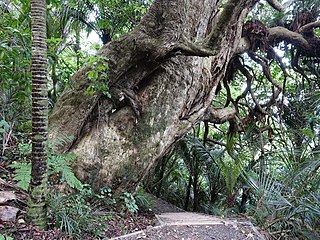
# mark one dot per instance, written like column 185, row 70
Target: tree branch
column 276, row 5
column 309, row 26
column 278, row 33
column 219, row 115
column 243, row 46
column 189, row 48
column 281, row 33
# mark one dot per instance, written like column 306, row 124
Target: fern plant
column 281, row 208
column 58, row 166
column 23, row 167
column 22, row 174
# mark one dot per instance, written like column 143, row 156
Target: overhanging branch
column 220, row 115
column 277, row 34
column 243, row 45
column 281, row 33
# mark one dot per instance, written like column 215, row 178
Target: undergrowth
column 59, row 169
column 73, row 207
column 86, row 213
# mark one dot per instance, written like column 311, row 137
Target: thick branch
column 277, row 34
column 276, row 5
column 308, row 27
column 281, row 33
column 243, row 46
column 188, row 48
column 219, row 115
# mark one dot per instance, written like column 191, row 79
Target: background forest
column 267, row 170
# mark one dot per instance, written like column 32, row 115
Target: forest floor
column 162, row 221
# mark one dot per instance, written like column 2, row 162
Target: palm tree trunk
column 195, row 190
column 186, row 201
column 37, row 212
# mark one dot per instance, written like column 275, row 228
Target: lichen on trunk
column 172, row 88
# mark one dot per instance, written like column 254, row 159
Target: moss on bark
column 37, row 208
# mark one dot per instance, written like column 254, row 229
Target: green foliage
column 4, row 126
column 129, row 202
column 86, row 212
column 141, row 199
column 74, row 215
column 15, row 55
column 279, row 211
column 98, row 75
column 230, row 171
column 60, row 164
column 114, row 17
column 58, row 167
column 23, row 166
column 22, row 174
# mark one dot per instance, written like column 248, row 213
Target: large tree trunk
column 169, row 82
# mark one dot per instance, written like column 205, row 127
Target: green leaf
column 4, row 125
column 307, row 132
column 230, row 171
column 25, row 149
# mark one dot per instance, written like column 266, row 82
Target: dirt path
column 174, row 223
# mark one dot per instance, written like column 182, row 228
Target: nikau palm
column 38, row 187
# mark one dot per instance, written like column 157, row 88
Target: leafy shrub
column 129, row 202
column 74, row 215
column 142, row 200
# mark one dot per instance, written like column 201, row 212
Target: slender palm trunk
column 37, row 212
column 187, row 198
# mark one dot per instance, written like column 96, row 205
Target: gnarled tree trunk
column 167, row 79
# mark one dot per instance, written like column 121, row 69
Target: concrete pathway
column 189, row 218
column 171, row 222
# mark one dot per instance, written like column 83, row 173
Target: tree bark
column 37, row 211
column 167, row 83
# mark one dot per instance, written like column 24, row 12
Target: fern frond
column 58, row 142
column 22, row 174
column 70, row 179
column 58, row 164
